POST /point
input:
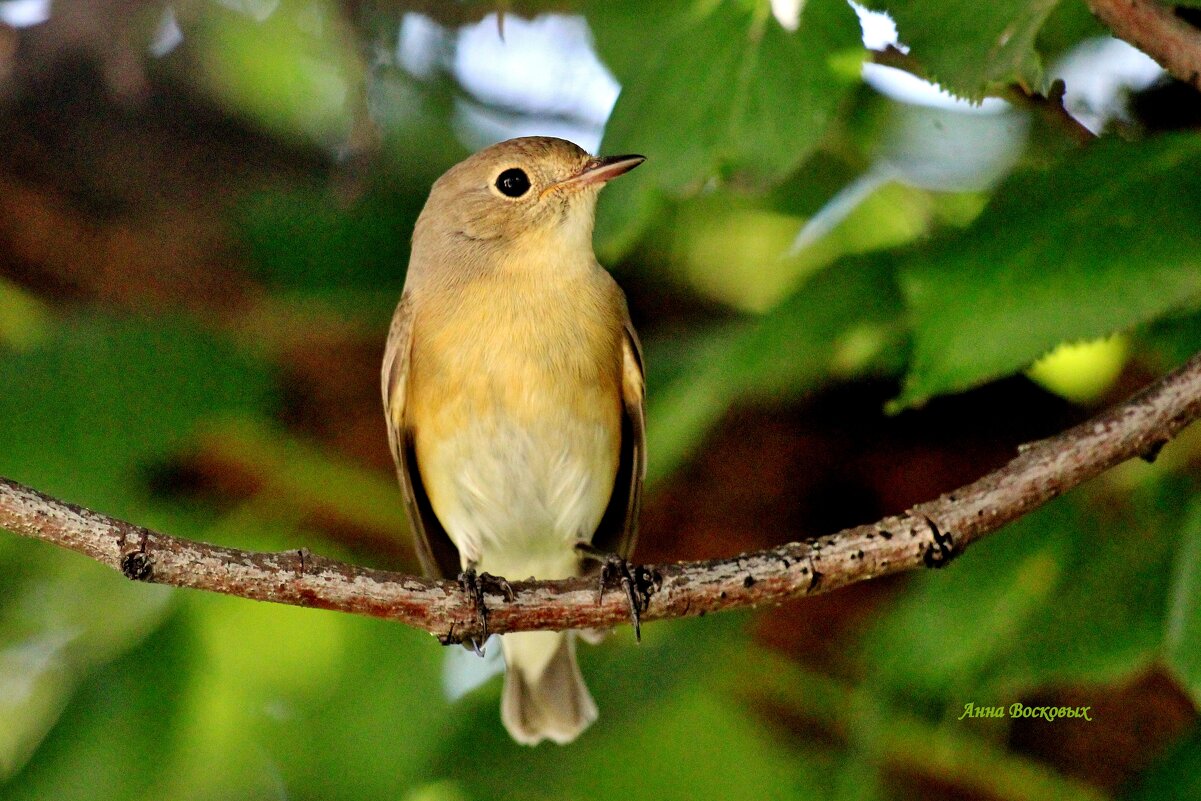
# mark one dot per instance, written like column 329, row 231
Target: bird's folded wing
column 618, row 529
column 437, row 553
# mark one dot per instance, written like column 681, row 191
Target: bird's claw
column 469, row 581
column 498, row 583
column 635, row 581
column 476, row 585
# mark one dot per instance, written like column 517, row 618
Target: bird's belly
column 516, row 411
column 519, row 462
column 514, row 498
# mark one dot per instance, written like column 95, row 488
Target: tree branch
column 1156, row 30
column 929, row 535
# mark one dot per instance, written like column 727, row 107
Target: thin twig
column 1052, row 109
column 929, row 535
column 1155, row 29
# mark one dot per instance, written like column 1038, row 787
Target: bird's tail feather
column 545, row 697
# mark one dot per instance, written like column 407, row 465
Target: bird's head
column 520, row 195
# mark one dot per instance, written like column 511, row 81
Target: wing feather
column 618, row 529
column 435, row 551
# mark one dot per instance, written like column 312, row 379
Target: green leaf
column 83, row 413
column 1171, row 341
column 619, row 29
column 57, row 623
column 319, row 704
column 731, row 249
column 1067, row 26
column 115, row 740
column 305, row 239
column 301, row 477
column 294, row 71
column 86, row 411
column 950, row 626
column 880, row 732
column 1175, row 776
column 758, row 100
column 1065, row 594
column 844, row 322
column 969, row 47
column 24, row 320
column 1104, row 241
column 1105, row 620
column 1183, row 635
column 669, row 726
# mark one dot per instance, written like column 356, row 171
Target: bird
column 514, row 393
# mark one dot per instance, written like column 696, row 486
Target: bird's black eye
column 513, row 182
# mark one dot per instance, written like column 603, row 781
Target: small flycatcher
column 513, row 389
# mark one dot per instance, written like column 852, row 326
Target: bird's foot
column 469, row 582
column 477, row 585
column 635, row 581
column 498, row 583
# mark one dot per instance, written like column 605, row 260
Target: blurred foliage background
column 855, row 291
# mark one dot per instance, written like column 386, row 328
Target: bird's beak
column 599, row 171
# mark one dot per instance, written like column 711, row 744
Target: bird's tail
column 545, row 697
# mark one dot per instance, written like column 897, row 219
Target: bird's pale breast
column 516, row 412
